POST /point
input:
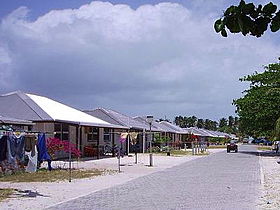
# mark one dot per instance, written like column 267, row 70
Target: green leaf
column 259, row 10
column 218, row 25
column 242, row 4
column 224, row 33
column 269, row 8
column 275, row 26
column 248, row 8
column 230, row 10
column 245, row 24
column 232, row 24
column 254, row 14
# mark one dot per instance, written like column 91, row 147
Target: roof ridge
column 104, row 111
column 21, row 94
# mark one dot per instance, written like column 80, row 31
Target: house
column 134, row 125
column 58, row 120
column 178, row 132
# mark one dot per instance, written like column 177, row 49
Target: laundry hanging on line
column 133, row 137
column 123, row 137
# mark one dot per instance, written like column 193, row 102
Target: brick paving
column 219, row 181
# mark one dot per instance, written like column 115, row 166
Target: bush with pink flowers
column 55, row 145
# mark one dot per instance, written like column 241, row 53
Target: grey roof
column 172, row 127
column 205, row 132
column 155, row 125
column 115, row 117
column 19, row 105
column 198, row 131
column 13, row 121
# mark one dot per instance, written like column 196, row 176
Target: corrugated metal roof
column 38, row 108
column 14, row 121
column 175, row 128
column 18, row 105
column 116, row 117
column 205, row 132
column 156, row 127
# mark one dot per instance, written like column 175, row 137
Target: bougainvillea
column 55, row 145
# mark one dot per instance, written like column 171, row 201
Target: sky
column 145, row 57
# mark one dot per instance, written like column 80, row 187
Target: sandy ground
column 270, row 199
column 43, row 195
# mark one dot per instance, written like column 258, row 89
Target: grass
column 217, row 147
column 174, row 153
column 203, row 153
column 180, row 153
column 44, row 175
column 264, row 148
column 5, row 193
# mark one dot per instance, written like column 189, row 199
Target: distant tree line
column 228, row 125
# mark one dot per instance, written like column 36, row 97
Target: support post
column 151, row 154
column 144, row 140
column 136, row 161
column 151, row 159
column 70, row 165
column 128, row 143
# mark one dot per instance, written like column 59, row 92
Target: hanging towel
column 42, row 148
column 30, row 143
column 32, row 163
column 123, row 137
column 133, row 136
column 15, row 149
column 3, row 148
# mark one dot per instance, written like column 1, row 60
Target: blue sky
column 141, row 57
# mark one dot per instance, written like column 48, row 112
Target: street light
column 149, row 120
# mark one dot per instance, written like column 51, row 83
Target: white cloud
column 158, row 59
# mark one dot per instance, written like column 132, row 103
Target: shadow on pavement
column 28, row 193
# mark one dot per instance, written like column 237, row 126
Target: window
column 107, row 136
column 61, row 131
column 92, row 134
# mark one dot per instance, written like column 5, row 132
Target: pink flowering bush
column 55, row 145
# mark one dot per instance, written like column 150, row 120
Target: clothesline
column 23, row 152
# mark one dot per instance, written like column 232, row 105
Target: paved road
column 219, row 181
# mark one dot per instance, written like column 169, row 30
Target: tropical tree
column 200, row 123
column 180, row 121
column 249, row 19
column 259, row 108
column 230, row 121
column 223, row 122
column 192, row 121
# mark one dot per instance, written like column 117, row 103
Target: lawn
column 203, row 153
column 44, row 175
column 5, row 193
column 217, row 147
column 176, row 153
column 264, row 148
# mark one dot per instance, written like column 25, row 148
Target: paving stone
column 219, row 181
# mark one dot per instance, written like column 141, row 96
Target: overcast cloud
column 160, row 59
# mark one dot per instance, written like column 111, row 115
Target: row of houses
column 94, row 129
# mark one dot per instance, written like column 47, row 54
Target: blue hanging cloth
column 42, row 148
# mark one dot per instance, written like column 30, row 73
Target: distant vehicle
column 262, row 141
column 267, row 142
column 245, row 141
column 276, row 146
column 232, row 146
